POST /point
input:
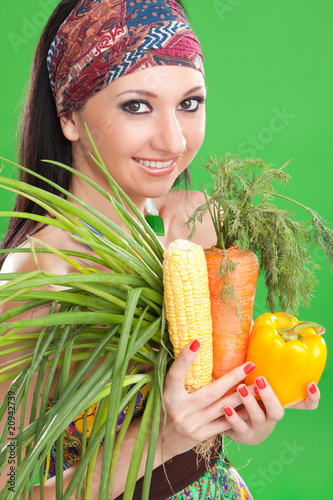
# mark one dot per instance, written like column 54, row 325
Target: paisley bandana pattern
column 102, row 40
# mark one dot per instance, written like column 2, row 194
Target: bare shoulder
column 176, row 207
column 20, row 262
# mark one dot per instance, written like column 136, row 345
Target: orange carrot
column 231, row 331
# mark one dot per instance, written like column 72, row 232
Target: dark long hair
column 41, row 135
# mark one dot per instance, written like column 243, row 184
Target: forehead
column 158, row 78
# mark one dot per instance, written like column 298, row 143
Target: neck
column 90, row 196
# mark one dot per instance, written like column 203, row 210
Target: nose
column 168, row 135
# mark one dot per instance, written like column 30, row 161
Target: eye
column 136, row 107
column 192, row 104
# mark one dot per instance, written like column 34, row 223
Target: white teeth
column 155, row 164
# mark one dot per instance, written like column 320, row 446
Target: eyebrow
column 151, row 94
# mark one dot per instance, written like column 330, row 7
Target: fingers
column 175, row 378
column 238, row 425
column 312, row 401
column 207, row 399
column 273, row 408
column 215, row 391
column 255, row 412
column 249, row 420
column 256, row 418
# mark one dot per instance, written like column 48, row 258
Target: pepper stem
column 294, row 332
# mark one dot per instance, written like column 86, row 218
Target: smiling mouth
column 155, row 164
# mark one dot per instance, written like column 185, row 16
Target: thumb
column 175, row 378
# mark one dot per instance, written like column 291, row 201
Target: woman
column 132, row 71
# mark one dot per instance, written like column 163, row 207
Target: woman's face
column 147, row 126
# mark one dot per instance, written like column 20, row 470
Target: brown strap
column 182, row 471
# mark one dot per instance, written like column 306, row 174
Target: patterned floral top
column 220, row 482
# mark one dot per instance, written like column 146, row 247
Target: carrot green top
column 241, row 207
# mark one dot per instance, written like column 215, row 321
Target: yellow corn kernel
column 187, row 307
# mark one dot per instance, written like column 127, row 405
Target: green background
column 270, row 78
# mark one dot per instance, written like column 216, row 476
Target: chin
column 156, row 190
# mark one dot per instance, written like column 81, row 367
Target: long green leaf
column 115, row 395
column 95, row 443
column 139, row 447
column 136, row 254
column 67, row 318
column 159, row 375
column 75, row 399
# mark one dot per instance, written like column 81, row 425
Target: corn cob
column 187, row 307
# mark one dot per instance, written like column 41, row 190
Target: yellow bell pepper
column 288, row 353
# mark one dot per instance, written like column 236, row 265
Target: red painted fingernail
column 228, row 411
column 313, row 389
column 249, row 368
column 195, row 345
column 255, row 390
column 243, row 391
column 261, row 384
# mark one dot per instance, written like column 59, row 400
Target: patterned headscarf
column 102, row 40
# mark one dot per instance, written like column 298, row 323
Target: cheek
column 102, row 131
column 121, row 136
column 195, row 133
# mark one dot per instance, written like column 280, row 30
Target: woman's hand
column 192, row 418
column 254, row 422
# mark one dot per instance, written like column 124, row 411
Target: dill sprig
column 243, row 213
